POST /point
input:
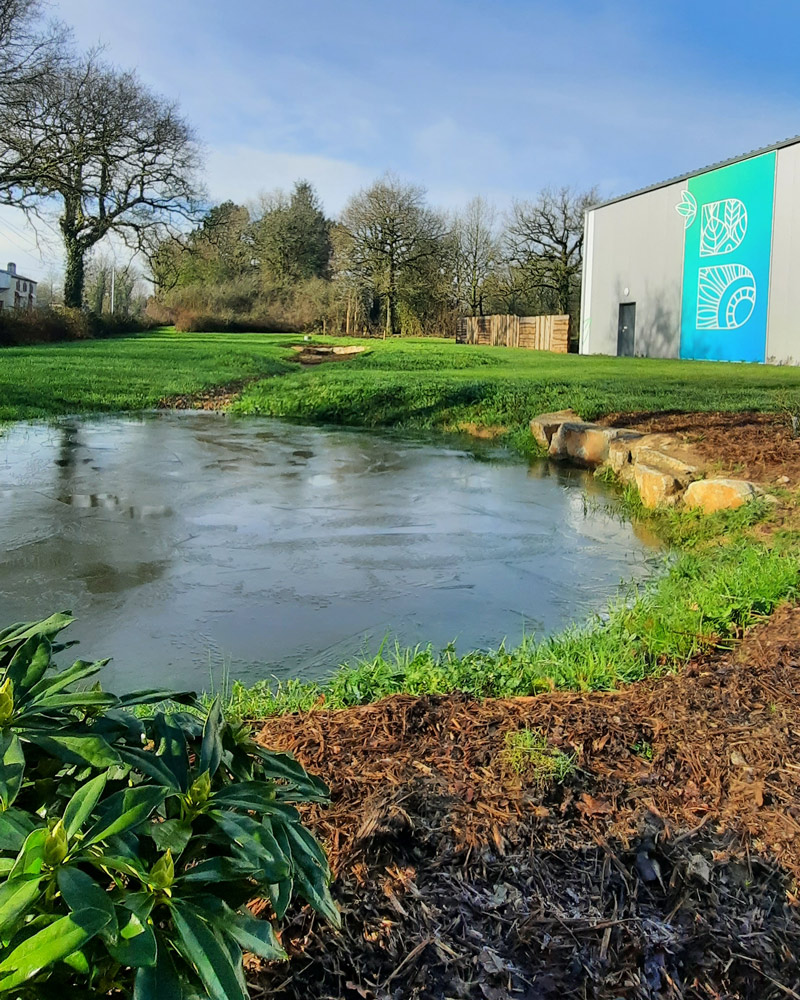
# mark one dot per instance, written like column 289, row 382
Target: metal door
column 626, row 330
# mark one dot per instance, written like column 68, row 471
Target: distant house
column 16, row 291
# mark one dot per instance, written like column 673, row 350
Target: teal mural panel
column 726, row 262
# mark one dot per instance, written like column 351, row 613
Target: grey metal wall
column 631, row 247
column 783, row 318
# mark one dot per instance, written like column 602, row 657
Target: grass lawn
column 440, row 385
column 413, row 384
column 129, row 373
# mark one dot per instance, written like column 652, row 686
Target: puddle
column 189, row 544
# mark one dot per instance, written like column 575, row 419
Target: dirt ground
column 757, row 446
column 666, row 866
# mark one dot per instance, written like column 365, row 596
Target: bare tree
column 544, row 239
column 478, row 251
column 387, row 234
column 113, row 156
column 31, row 51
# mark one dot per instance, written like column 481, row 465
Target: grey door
column 626, row 331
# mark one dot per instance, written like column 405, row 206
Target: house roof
column 693, row 173
column 20, row 277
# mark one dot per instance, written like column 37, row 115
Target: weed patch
column 527, row 753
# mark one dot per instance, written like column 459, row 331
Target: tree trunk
column 74, row 274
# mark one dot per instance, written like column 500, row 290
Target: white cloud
column 240, row 173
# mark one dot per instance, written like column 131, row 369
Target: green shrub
column 130, row 847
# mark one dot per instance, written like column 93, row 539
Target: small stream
column 192, row 544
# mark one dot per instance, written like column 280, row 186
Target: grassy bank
column 129, row 373
column 410, row 384
column 439, row 385
column 724, row 579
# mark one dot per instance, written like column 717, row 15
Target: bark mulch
column 665, row 866
column 756, row 446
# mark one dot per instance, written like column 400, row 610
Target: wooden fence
column 538, row 333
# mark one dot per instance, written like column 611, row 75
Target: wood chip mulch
column 667, row 866
column 763, row 447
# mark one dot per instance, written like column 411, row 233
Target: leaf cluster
column 130, row 847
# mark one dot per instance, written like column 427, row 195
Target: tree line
column 390, row 263
column 89, row 144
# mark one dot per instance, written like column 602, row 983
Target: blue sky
column 499, row 97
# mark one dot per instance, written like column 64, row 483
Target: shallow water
column 189, row 544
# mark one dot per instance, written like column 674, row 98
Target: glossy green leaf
column 150, row 764
column 25, row 630
column 71, row 699
column 17, row 896
column 284, row 767
column 29, row 663
column 12, row 769
column 311, row 873
column 256, row 936
column 15, row 825
column 172, row 748
column 155, row 696
column 280, row 893
column 257, row 842
column 73, row 749
column 82, row 804
column 48, row 946
column 162, row 981
column 136, row 950
column 201, row 949
column 79, row 671
column 30, row 859
column 125, row 811
column 211, row 749
column 171, row 835
column 80, row 890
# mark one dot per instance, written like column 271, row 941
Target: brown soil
column 755, row 446
column 665, row 867
column 218, row 397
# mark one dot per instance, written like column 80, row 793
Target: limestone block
column 720, row 494
column 619, row 449
column 585, row 444
column 657, row 459
column 545, row 425
column 656, row 488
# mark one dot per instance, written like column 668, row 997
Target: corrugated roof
column 693, row 173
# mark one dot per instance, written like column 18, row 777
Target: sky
column 498, row 97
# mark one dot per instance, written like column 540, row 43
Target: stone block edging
column 664, row 472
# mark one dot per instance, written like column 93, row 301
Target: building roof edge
column 694, row 173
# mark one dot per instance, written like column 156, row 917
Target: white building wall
column 634, row 253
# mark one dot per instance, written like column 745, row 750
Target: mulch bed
column 756, row 446
column 668, row 877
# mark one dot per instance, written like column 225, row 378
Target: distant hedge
column 45, row 326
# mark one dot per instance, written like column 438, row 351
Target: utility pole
column 113, row 276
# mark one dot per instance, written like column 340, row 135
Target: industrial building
column 702, row 266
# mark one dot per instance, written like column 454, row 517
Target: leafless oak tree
column 544, row 238
column 112, row 156
column 478, row 251
column 388, row 233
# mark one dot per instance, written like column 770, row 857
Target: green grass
column 129, row 373
column 438, row 385
column 527, row 753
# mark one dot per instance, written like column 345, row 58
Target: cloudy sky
column 492, row 97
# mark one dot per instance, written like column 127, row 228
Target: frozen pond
column 192, row 543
